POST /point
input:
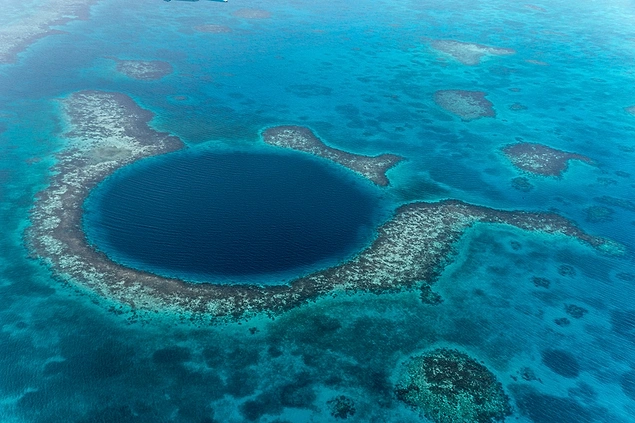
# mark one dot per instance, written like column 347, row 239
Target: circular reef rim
column 108, row 130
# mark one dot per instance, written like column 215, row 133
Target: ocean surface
column 550, row 317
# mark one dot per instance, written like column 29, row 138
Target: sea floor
column 550, row 317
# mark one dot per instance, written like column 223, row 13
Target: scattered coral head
column 213, row 29
column 469, row 53
column 468, row 105
column 341, row 407
column 252, row 14
column 449, row 386
column 143, row 69
column 540, row 159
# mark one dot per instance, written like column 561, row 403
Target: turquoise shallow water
column 362, row 75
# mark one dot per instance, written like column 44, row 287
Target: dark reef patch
column 428, row 296
column 517, row 107
column 528, row 374
column 341, row 407
column 171, row 356
column 298, row 393
column 419, row 189
column 583, row 392
column 616, row 202
column 623, row 323
column 562, row 321
column 575, row 311
column 626, row 277
column 599, row 214
column 450, row 386
column 540, row 282
column 627, row 383
column 522, row 184
column 542, row 408
column 561, row 362
column 566, row 270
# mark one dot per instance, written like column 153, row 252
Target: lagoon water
column 552, row 318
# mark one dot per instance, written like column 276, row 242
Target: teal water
column 362, row 75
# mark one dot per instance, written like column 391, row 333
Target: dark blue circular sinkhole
column 204, row 216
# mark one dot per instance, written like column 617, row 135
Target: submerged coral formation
column 617, row 202
column 562, row 321
column 428, row 296
column 575, row 311
column 143, row 69
column 302, row 139
column 566, row 270
column 541, row 282
column 252, row 14
column 468, row 105
column 517, row 106
column 213, row 29
column 627, row 383
column 39, row 23
column 341, row 407
column 522, row 184
column 561, row 362
column 109, row 131
column 540, row 159
column 599, row 214
column 449, row 386
column 468, row 53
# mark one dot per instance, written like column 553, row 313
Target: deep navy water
column 206, row 216
column 552, row 318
